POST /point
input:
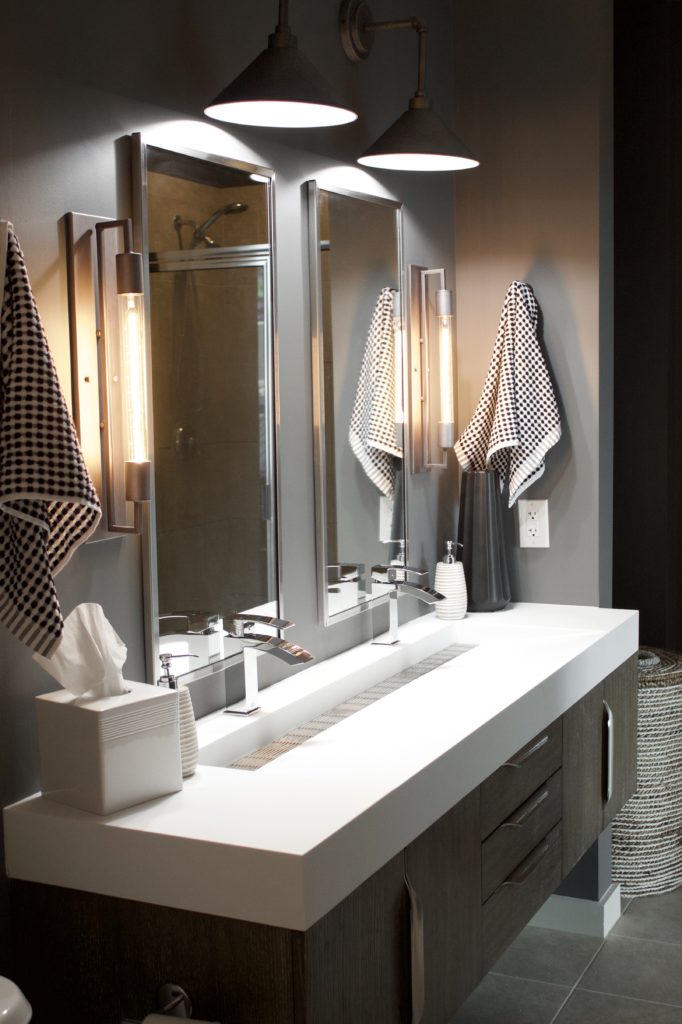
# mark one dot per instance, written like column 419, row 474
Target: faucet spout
column 398, row 578
column 254, row 644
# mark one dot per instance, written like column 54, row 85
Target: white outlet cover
column 533, row 523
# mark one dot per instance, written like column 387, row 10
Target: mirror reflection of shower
column 200, row 234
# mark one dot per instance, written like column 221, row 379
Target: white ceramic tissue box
column 104, row 755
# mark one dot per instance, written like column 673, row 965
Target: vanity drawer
column 522, row 893
column 507, row 788
column 519, row 834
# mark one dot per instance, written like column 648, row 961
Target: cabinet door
column 443, row 866
column 620, row 705
column 353, row 965
column 600, row 759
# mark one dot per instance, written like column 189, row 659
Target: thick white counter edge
column 285, row 844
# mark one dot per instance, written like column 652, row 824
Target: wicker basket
column 647, row 834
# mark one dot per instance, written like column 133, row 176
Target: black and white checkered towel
column 372, row 431
column 516, row 420
column 48, row 504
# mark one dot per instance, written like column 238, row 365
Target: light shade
column 419, row 141
column 280, row 89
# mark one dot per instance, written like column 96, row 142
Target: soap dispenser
column 450, row 582
column 189, row 745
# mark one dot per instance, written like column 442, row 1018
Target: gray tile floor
column 634, row 976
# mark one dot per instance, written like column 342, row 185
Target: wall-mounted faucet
column 239, row 627
column 397, row 577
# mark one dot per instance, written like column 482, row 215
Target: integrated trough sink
column 300, row 707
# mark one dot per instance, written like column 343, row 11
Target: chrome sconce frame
column 427, row 305
column 108, row 365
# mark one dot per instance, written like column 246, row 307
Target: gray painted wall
column 78, row 76
column 534, row 101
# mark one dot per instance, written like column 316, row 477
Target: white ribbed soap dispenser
column 189, row 745
column 450, row 582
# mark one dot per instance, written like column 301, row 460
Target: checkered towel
column 48, row 505
column 516, row 420
column 372, row 432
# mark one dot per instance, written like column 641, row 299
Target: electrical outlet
column 533, row 523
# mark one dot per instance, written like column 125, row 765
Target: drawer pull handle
column 525, row 812
column 416, row 952
column 608, row 728
column 522, row 758
column 528, row 866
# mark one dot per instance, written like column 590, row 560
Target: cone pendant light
column 418, row 140
column 281, row 88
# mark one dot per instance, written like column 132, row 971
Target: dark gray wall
column 76, row 78
column 533, row 83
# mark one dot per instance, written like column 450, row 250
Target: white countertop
column 284, row 844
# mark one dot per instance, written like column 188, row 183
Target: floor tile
column 653, row 917
column 638, row 968
column 542, row 954
column 512, row 1001
column 597, row 1008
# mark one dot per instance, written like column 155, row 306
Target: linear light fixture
column 109, row 375
column 281, row 88
column 418, row 140
column 431, row 347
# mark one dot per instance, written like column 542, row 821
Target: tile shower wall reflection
column 208, row 357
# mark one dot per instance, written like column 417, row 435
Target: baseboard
column 584, row 917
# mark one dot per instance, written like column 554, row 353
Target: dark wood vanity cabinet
column 600, row 759
column 409, row 944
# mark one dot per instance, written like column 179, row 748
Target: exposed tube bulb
column 133, row 376
column 446, row 424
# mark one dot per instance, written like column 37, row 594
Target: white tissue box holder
column 107, row 754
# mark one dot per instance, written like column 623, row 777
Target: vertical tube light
column 129, row 286
column 446, row 422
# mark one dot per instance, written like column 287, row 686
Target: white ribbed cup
column 189, row 746
column 449, row 581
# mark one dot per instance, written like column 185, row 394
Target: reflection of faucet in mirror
column 200, row 233
column 396, row 576
column 253, row 644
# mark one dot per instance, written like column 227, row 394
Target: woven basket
column 647, row 834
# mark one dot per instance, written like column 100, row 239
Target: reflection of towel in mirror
column 372, row 432
column 48, row 505
column 516, row 420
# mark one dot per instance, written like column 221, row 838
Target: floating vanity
column 480, row 782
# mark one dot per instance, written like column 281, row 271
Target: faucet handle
column 396, row 573
column 240, row 622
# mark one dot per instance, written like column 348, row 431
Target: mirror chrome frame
column 317, row 339
column 139, row 150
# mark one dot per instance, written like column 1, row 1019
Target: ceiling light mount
column 418, row 141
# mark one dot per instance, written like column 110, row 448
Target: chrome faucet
column 397, row 577
column 239, row 627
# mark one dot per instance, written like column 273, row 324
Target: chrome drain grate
column 257, row 758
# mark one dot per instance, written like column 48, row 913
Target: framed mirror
column 206, row 232
column 358, row 384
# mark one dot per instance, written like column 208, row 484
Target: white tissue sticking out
column 90, row 655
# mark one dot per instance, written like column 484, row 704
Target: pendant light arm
column 417, row 26
column 282, row 35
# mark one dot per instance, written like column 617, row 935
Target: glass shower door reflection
column 213, row 438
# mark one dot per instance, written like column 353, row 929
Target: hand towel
column 516, row 420
column 48, row 504
column 372, row 431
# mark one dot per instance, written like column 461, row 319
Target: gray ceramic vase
column 481, row 535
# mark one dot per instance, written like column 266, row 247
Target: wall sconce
column 280, row 89
column 108, row 362
column 430, row 311
column 418, row 140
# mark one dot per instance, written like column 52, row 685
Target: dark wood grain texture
column 519, row 834
column 354, row 962
column 582, row 776
column 444, row 867
column 513, row 904
column 620, row 691
column 511, row 784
